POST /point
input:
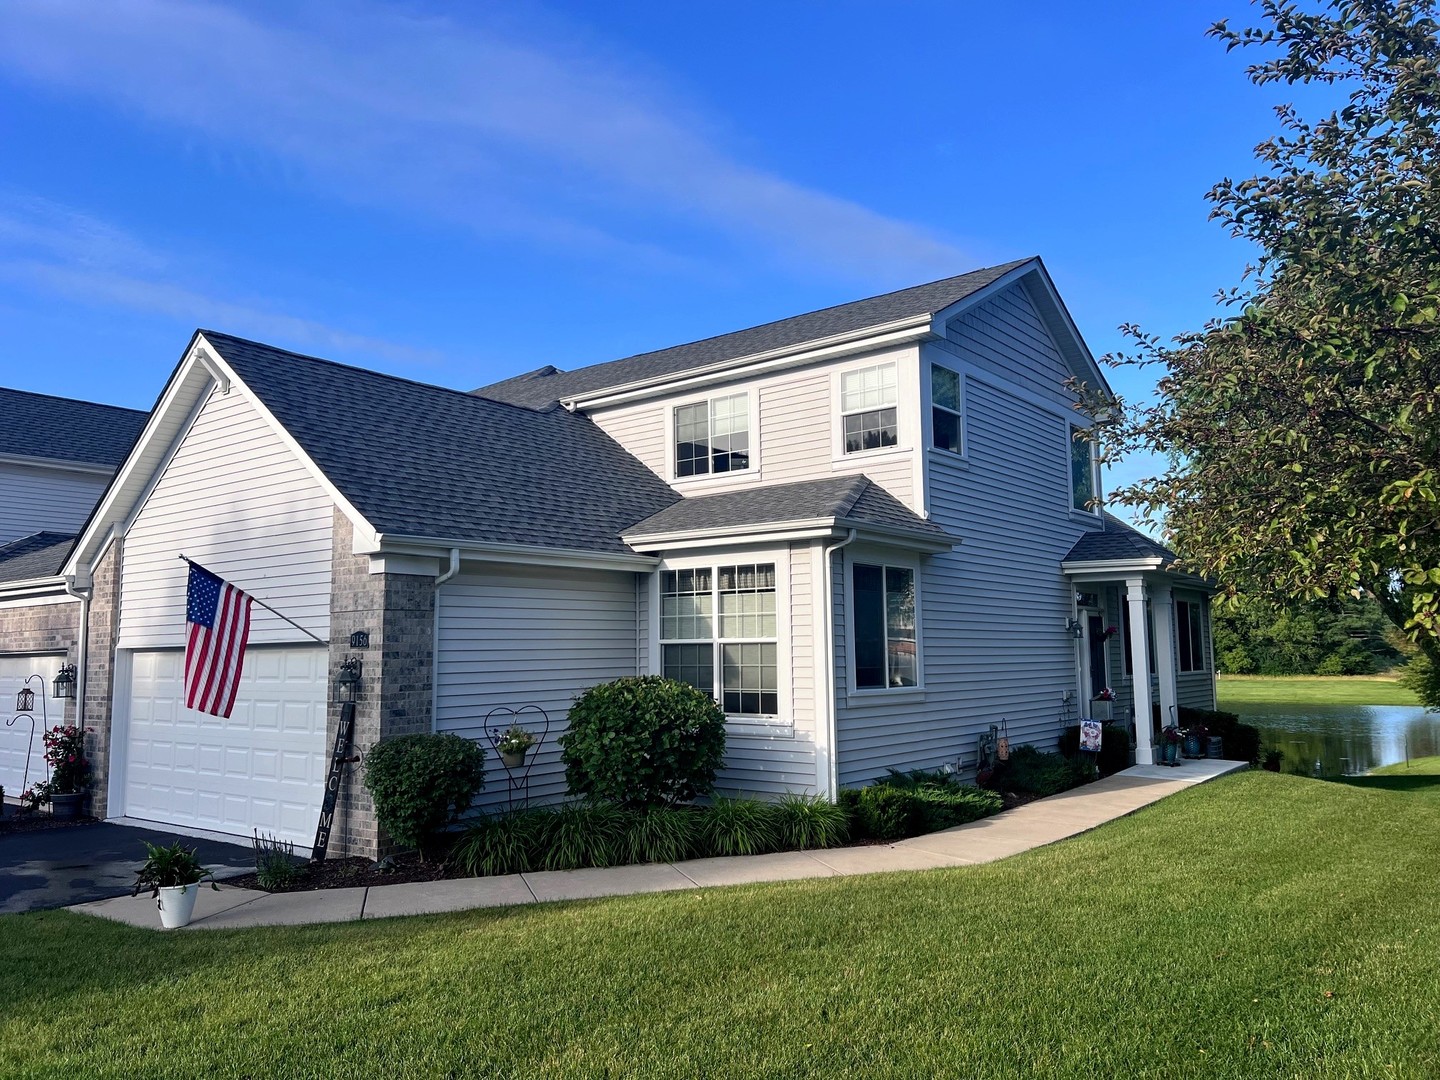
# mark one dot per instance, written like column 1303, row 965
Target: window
column 885, row 654
column 1084, row 471
column 713, row 436
column 717, row 630
column 867, row 408
column 946, row 422
column 1189, row 637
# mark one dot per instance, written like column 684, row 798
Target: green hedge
column 1033, row 772
column 1114, row 746
column 1242, row 742
column 911, row 803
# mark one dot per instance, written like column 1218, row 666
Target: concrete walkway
column 1034, row 825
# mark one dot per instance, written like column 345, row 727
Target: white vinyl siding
column 794, row 429
column 1006, row 337
column 236, row 499
column 42, row 499
column 511, row 637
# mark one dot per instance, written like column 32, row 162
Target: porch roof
column 1118, row 542
column 39, row 555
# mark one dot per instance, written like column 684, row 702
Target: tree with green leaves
column 1300, row 432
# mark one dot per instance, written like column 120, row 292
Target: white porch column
column 1139, row 669
column 1164, row 610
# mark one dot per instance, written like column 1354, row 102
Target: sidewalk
column 1033, row 825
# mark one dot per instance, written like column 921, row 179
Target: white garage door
column 14, row 739
column 263, row 768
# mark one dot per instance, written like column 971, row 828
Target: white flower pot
column 177, row 904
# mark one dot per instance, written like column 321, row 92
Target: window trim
column 961, row 391
column 672, row 442
column 893, row 561
column 903, row 399
column 782, row 723
column 1090, row 513
column 1197, row 650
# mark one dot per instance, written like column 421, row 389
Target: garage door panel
column 263, row 768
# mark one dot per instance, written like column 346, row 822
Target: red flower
column 71, row 758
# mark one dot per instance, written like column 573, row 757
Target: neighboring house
column 869, row 531
column 56, row 458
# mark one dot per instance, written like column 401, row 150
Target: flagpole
column 262, row 603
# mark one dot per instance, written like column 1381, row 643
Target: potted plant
column 513, row 746
column 69, row 773
column 1194, row 745
column 1170, row 740
column 174, row 876
column 1101, row 704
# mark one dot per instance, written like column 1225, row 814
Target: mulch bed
column 14, row 821
column 357, row 873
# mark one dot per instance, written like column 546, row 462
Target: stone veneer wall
column 398, row 611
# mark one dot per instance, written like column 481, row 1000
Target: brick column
column 101, row 632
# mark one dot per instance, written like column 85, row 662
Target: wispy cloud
column 57, row 250
column 548, row 136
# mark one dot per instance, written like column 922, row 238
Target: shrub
column 909, row 803
column 811, row 821
column 584, row 834
column 944, row 808
column 1241, row 741
column 1114, row 746
column 740, row 827
column 504, row 844
column 888, row 813
column 275, row 866
column 421, row 783
column 1033, row 772
column 643, row 741
column 662, row 834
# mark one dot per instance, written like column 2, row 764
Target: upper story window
column 1189, row 636
column 885, row 643
column 868, row 398
column 718, row 633
column 713, row 436
column 1084, row 471
column 947, row 425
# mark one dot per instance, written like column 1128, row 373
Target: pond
column 1344, row 739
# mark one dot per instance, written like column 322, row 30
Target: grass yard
column 1260, row 925
column 1237, row 691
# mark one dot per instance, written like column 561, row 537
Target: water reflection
column 1345, row 739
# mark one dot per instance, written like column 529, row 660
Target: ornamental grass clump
column 643, row 741
column 663, row 834
column 585, row 834
column 422, row 783
column 510, row 843
column 810, row 821
column 741, row 827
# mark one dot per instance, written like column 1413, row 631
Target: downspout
column 81, row 650
column 454, row 568
column 827, row 636
column 435, row 641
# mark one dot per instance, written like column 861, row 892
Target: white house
column 870, row 531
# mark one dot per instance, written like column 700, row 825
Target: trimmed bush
column 810, row 821
column 944, row 808
column 1114, row 746
column 910, row 803
column 888, row 813
column 422, row 783
column 662, row 834
column 643, row 741
column 1034, row 772
column 1242, row 742
column 741, row 827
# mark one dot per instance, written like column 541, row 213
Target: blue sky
column 456, row 193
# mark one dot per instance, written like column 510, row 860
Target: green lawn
column 1261, row 925
column 1237, row 691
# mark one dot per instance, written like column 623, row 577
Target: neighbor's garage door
column 263, row 768
column 15, row 739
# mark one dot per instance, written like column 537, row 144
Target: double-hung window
column 1190, row 640
column 1084, row 471
column 947, row 425
column 868, row 398
column 885, row 643
column 718, row 633
column 713, row 436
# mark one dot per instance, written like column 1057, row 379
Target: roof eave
column 68, row 464
column 783, row 531
column 484, row 551
column 32, row 588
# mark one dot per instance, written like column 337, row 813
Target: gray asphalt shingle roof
column 38, row 555
column 42, row 426
column 539, row 388
column 419, row 460
column 847, row 498
column 1117, row 540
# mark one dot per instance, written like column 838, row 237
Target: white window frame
column 902, row 406
column 1197, row 648
column 672, row 443
column 1090, row 512
column 780, row 725
column 892, row 560
column 959, row 414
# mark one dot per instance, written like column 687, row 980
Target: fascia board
column 1113, row 566
column 898, row 332
column 34, row 587
column 529, row 554
column 783, row 531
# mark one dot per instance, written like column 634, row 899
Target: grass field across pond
column 1237, row 691
column 1259, row 925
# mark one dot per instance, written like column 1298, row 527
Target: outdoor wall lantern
column 25, row 700
column 1074, row 629
column 347, row 681
column 64, row 686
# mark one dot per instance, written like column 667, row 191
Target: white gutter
column 830, row 781
column 83, row 595
column 435, row 637
column 806, row 529
column 454, row 568
column 532, row 554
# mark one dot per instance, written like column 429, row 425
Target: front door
column 1096, row 676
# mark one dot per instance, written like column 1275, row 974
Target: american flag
column 219, row 618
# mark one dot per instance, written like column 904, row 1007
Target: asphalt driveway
column 52, row 868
